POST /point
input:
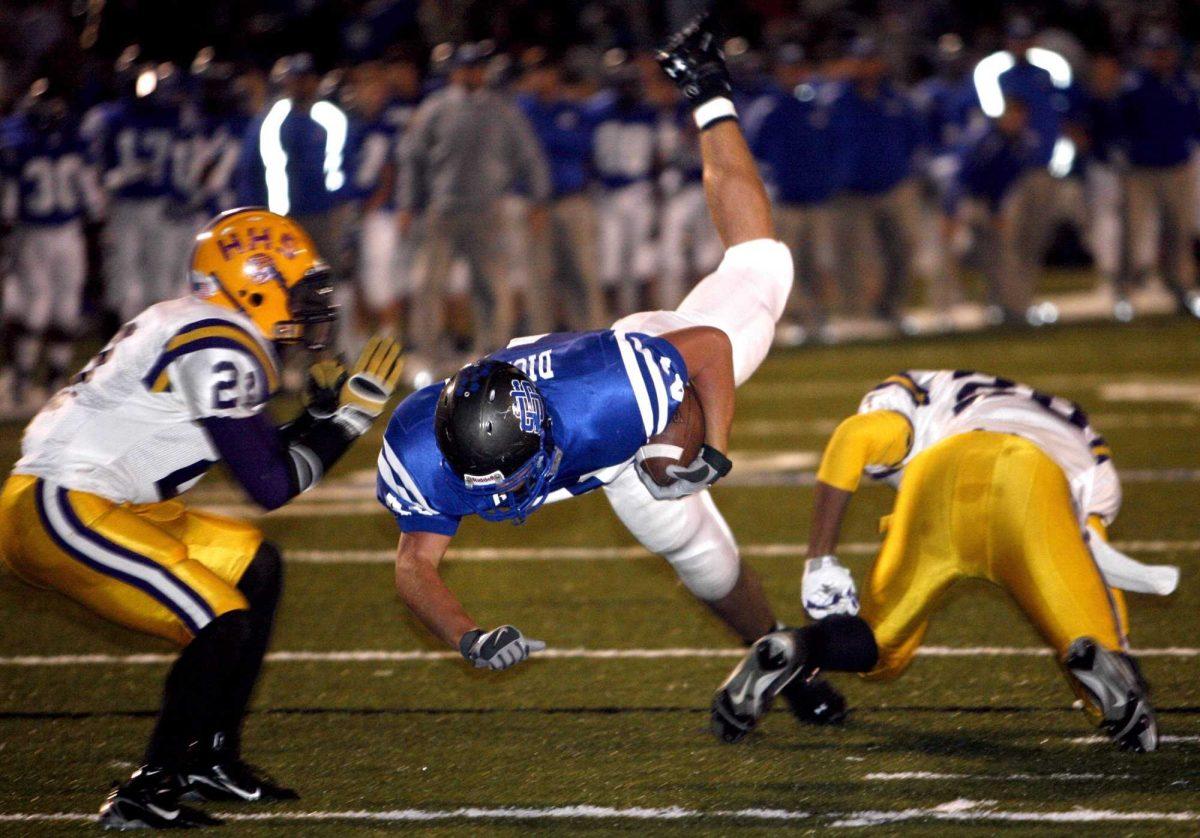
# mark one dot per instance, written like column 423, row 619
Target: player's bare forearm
column 829, row 509
column 708, row 354
column 421, row 588
column 737, row 199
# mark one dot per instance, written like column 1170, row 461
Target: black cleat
column 150, row 800
column 816, row 701
column 1118, row 692
column 223, row 778
column 693, row 59
column 746, row 695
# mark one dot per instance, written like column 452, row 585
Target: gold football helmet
column 265, row 266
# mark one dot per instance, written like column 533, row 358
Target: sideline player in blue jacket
column 558, row 415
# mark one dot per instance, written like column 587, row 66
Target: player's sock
column 261, row 583
column 841, row 643
column 197, row 687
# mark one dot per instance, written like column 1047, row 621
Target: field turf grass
column 970, row 742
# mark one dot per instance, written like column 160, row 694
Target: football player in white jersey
column 995, row 481
column 90, row 510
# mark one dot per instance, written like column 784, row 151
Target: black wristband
column 327, row 439
column 719, row 462
column 467, row 641
column 292, row 431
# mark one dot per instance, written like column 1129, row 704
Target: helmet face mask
column 496, row 439
column 313, row 312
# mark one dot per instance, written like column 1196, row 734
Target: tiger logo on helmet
column 265, row 265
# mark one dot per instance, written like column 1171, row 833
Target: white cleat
column 746, row 695
column 1118, row 691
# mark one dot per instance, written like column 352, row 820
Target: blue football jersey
column 46, row 175
column 606, row 392
column 625, row 142
column 370, row 147
column 136, row 146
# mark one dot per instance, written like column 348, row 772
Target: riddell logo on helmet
column 473, row 480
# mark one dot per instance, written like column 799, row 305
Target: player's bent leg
column 1046, row 566
column 690, row 534
column 744, row 297
column 920, row 558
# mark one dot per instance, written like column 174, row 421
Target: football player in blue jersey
column 558, row 415
column 49, row 184
column 625, row 156
column 135, row 140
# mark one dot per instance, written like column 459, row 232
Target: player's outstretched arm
column 737, row 199
column 422, row 589
column 879, row 438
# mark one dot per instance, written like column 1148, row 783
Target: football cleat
column 815, row 701
column 150, row 800
column 1116, row 688
column 221, row 778
column 746, row 695
column 693, row 59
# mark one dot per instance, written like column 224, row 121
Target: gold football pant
column 987, row 506
column 157, row 568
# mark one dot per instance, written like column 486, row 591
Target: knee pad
column 706, row 557
column 262, row 580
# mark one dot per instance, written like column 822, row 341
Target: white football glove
column 499, row 648
column 828, row 588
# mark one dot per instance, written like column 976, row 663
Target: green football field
column 382, row 730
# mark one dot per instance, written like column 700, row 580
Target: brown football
column 678, row 444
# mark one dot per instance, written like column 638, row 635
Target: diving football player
column 91, row 508
column 554, row 416
column 995, row 481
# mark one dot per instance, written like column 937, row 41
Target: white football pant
column 745, row 298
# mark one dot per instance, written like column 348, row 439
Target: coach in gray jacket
column 466, row 148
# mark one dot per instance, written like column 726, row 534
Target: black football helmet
column 494, row 432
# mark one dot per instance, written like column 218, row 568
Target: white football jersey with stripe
column 944, row 403
column 127, row 428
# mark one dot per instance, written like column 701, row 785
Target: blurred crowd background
column 474, row 170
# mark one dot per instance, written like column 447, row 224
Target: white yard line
column 963, row 811
column 569, row 554
column 424, row 655
column 1104, row 740
column 907, row 776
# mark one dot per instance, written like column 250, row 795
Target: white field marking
column 1187, row 392
column 1104, row 740
column 955, row 810
column 904, row 776
column 423, row 655
column 586, row 554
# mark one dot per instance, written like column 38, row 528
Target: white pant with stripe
column 745, row 298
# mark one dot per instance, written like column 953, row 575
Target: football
column 678, row 444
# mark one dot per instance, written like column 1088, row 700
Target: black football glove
column 323, row 386
column 499, row 648
column 694, row 60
